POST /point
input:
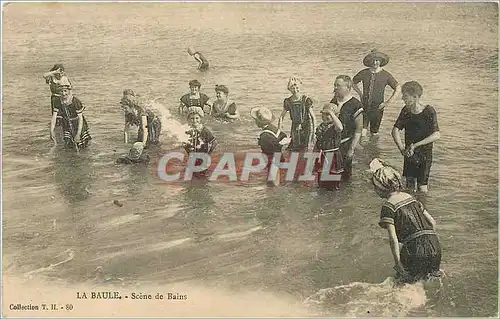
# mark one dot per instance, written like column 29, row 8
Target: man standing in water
column 374, row 79
column 421, row 131
column 349, row 114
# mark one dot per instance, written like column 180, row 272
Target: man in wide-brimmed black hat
column 374, row 79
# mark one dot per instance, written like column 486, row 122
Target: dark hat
column 222, row 88
column 374, row 54
column 57, row 67
column 194, row 83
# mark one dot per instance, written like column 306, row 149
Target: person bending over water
column 301, row 114
column 195, row 98
column 136, row 113
column 73, row 123
column 203, row 62
column 224, row 108
column 407, row 222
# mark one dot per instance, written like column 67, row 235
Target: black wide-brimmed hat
column 374, row 54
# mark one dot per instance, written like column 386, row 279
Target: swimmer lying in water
column 135, row 155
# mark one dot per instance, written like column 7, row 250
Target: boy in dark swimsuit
column 421, row 131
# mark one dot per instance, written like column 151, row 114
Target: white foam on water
column 360, row 299
column 169, row 122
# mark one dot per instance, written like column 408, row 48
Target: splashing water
column 169, row 123
column 369, row 300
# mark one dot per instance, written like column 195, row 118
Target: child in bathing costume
column 201, row 139
column 407, row 222
column 271, row 139
column 328, row 136
column 419, row 121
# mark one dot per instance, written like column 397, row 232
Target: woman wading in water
column 301, row 114
column 74, row 125
column 223, row 107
